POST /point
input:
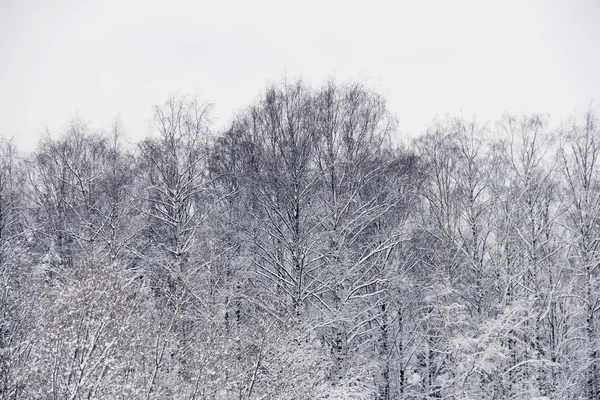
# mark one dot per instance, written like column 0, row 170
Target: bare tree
column 15, row 267
column 579, row 153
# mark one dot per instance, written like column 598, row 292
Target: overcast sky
column 107, row 59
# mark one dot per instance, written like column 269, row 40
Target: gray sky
column 114, row 58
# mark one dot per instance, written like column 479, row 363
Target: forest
column 304, row 252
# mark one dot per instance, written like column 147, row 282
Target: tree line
column 301, row 253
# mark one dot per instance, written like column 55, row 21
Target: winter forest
column 303, row 253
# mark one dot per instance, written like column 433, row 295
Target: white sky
column 107, row 59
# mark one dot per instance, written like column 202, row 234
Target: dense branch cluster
column 302, row 254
